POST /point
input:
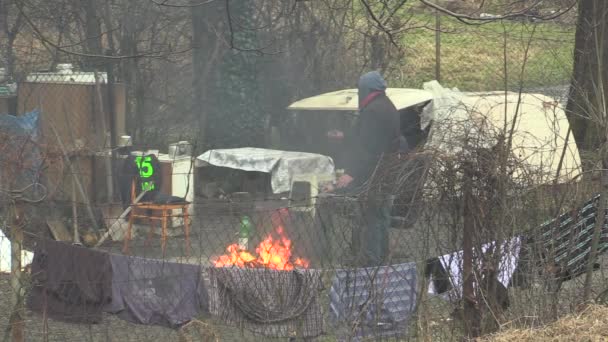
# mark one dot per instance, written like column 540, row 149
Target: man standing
column 377, row 141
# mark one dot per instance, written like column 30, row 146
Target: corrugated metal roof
column 377, row 300
column 65, row 74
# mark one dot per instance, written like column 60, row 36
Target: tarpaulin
column 20, row 148
column 281, row 165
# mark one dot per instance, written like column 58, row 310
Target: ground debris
column 591, row 324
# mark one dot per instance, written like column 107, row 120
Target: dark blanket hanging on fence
column 562, row 244
column 70, row 283
column 268, row 302
column 148, row 291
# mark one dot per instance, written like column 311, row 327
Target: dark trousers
column 371, row 239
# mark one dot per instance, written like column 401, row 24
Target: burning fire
column 272, row 253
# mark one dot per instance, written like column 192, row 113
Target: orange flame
column 236, row 256
column 272, row 253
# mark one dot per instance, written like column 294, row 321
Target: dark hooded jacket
column 378, row 130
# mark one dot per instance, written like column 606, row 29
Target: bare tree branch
column 231, row 44
column 49, row 43
column 473, row 20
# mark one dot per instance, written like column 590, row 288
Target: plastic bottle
column 245, row 232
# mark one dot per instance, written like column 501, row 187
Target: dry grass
column 197, row 330
column 589, row 325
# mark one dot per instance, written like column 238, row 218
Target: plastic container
column 245, row 232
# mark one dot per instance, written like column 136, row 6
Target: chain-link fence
column 512, row 54
column 332, row 267
column 138, row 243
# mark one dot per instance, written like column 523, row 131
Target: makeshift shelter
column 443, row 120
column 536, row 123
column 539, row 123
column 348, row 99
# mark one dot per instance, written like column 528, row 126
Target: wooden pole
column 106, row 135
column 17, row 322
column 121, row 217
column 75, row 213
column 111, row 110
column 76, row 180
column 437, row 46
column 468, row 292
column 600, row 221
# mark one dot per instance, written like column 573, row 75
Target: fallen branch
column 121, row 217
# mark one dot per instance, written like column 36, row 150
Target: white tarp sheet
column 5, row 255
column 282, row 165
column 540, row 127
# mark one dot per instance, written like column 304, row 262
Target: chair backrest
column 134, row 194
column 143, row 174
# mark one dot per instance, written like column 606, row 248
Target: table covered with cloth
column 281, row 165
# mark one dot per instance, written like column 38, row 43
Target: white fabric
column 282, row 165
column 452, row 263
column 5, row 254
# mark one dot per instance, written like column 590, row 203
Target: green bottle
column 245, row 232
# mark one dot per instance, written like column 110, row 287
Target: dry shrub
column 197, row 330
column 589, row 325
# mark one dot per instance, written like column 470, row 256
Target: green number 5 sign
column 146, row 170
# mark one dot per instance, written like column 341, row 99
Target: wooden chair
column 150, row 211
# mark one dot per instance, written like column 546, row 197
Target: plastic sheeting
column 539, row 124
column 282, row 165
column 23, row 137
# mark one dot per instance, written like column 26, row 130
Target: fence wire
column 295, row 266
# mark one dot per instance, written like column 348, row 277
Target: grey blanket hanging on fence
column 156, row 292
column 267, row 302
column 373, row 302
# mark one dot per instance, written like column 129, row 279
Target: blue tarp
column 20, row 157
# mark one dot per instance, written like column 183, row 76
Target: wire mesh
column 360, row 271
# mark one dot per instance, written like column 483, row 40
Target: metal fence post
column 437, row 46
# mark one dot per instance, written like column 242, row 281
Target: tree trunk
column 93, row 34
column 378, row 52
column 128, row 66
column 585, row 108
column 198, row 58
column 588, row 103
column 9, row 36
column 205, row 51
